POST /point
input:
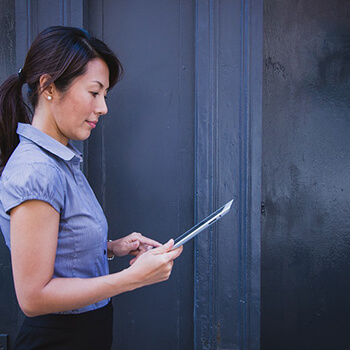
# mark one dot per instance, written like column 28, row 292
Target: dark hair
column 61, row 52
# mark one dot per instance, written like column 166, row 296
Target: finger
column 135, row 234
column 142, row 248
column 134, row 245
column 133, row 260
column 130, row 247
column 148, row 241
column 164, row 248
column 173, row 254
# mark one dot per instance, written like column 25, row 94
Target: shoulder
column 30, row 153
column 32, row 174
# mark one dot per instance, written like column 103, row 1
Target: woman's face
column 76, row 111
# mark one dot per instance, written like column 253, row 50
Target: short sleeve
column 36, row 181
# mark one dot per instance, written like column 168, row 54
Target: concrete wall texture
column 306, row 175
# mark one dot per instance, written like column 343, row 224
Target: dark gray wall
column 9, row 315
column 306, row 181
column 228, row 165
column 182, row 137
column 140, row 159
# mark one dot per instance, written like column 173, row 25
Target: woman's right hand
column 155, row 265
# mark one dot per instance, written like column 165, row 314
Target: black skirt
column 89, row 330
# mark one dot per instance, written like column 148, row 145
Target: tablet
column 208, row 221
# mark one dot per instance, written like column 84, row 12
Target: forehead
column 96, row 71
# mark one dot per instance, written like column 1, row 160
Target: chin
column 81, row 137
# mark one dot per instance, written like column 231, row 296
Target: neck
column 44, row 120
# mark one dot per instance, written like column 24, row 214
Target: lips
column 92, row 124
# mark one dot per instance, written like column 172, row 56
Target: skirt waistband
column 83, row 319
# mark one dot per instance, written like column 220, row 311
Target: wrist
column 110, row 254
column 133, row 282
column 136, row 276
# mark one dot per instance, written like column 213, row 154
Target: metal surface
column 140, row 159
column 228, row 162
column 306, row 182
column 184, row 117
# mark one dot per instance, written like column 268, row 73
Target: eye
column 94, row 93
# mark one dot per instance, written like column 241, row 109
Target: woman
column 50, row 218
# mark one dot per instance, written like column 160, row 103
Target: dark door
column 140, row 161
column 177, row 144
column 306, row 181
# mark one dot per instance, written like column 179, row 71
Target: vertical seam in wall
column 210, row 159
column 195, row 245
column 103, row 150
column 178, row 280
column 28, row 24
column 249, row 141
column 33, row 23
column 63, row 12
column 213, row 168
column 243, row 144
column 216, row 165
column 247, row 174
column 240, row 172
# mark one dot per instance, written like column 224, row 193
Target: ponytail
column 13, row 109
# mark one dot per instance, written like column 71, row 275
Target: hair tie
column 21, row 76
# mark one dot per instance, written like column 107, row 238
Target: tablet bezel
column 205, row 223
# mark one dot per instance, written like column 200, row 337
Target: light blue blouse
column 42, row 168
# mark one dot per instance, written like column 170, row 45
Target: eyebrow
column 99, row 83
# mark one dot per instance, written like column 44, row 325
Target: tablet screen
column 209, row 220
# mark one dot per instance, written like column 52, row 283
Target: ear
column 48, row 91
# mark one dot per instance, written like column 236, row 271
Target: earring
column 49, row 98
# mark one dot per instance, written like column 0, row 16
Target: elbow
column 29, row 313
column 30, row 306
column 29, row 310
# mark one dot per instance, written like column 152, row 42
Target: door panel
column 182, row 137
column 145, row 152
column 306, row 182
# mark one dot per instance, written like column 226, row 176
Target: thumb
column 134, row 245
column 133, row 260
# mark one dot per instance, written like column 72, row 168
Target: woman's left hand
column 133, row 244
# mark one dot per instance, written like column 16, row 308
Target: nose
column 102, row 108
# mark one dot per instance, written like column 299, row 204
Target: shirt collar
column 45, row 141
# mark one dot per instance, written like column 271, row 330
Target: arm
column 34, row 233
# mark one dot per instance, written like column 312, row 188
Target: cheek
column 82, row 107
column 87, row 103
